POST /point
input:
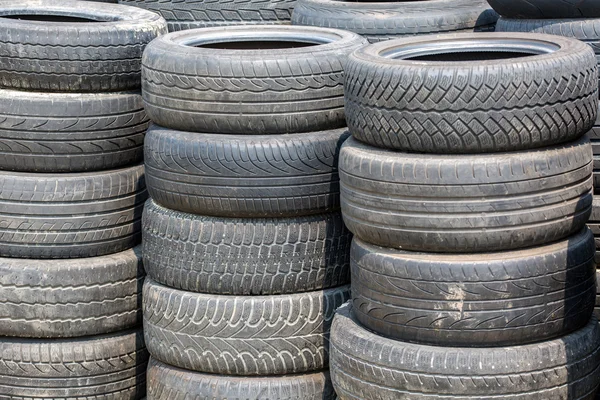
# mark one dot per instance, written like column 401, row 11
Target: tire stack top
column 71, row 196
column 244, row 245
column 467, row 184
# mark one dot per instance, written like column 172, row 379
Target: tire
column 110, row 367
column 243, row 335
column 72, row 56
column 533, row 9
column 489, row 299
column 465, row 203
column 245, row 256
column 594, row 221
column 64, row 132
column 210, row 13
column 597, row 307
column 379, row 21
column 367, row 366
column 277, row 91
column 171, row 383
column 465, row 107
column 70, row 215
column 244, row 176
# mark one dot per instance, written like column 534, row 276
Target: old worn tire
column 110, row 367
column 244, row 175
column 245, row 256
column 240, row 335
column 68, row 132
column 183, row 15
column 406, row 95
column 70, row 215
column 378, row 21
column 367, row 366
column 191, row 85
column 465, row 203
column 488, row 299
column 171, row 383
column 532, row 9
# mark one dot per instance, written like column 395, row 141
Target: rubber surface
column 532, row 9
column 240, row 335
column 70, row 215
column 245, row 256
column 368, row 366
column 378, row 21
column 272, row 91
column 170, row 383
column 480, row 106
column 465, row 203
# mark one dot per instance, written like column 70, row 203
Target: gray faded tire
column 465, row 203
column 182, row 15
column 378, row 21
column 219, row 80
column 436, row 94
column 244, row 175
column 70, row 215
column 533, row 9
column 240, row 335
column 488, row 299
column 69, row 45
column 70, row 298
column 245, row 256
column 367, row 366
column 109, row 367
column 68, row 132
column 171, row 383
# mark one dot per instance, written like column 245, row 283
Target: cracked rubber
column 533, row 9
column 471, row 107
column 465, row 203
column 70, row 215
column 170, row 383
column 240, row 335
column 99, row 56
column 488, row 299
column 245, row 256
column 270, row 91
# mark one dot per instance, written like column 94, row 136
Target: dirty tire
column 471, row 107
column 244, row 175
column 170, row 383
column 70, row 215
column 84, row 56
column 240, row 335
column 245, row 256
column 379, row 21
column 488, row 299
column 533, row 9
column 367, row 366
column 204, row 89
column 111, row 367
column 465, row 203
column 68, row 132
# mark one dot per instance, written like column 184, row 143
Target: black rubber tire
column 67, row 132
column 465, row 203
column 70, row 215
column 171, row 383
column 110, row 367
column 194, row 88
column 244, row 175
column 533, row 9
column 245, row 256
column 488, row 299
column 378, row 21
column 469, row 107
column 182, row 15
column 98, row 56
column 367, row 366
column 597, row 307
column 240, row 335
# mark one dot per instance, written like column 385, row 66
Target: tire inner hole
column 49, row 18
column 470, row 56
column 257, row 45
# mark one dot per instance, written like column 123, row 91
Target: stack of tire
column 467, row 184
column 71, row 197
column 386, row 20
column 244, row 246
